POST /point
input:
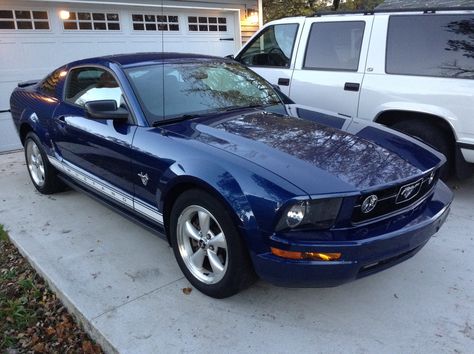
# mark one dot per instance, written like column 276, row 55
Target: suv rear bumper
column 360, row 257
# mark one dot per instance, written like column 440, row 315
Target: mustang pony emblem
column 144, row 178
column 408, row 191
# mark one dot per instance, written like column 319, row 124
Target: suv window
column 273, row 47
column 431, row 45
column 334, row 45
column 49, row 84
column 92, row 84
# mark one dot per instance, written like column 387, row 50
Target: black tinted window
column 334, row 45
column 273, row 47
column 431, row 45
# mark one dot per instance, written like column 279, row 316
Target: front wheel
column 207, row 245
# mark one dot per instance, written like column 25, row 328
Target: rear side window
column 273, row 47
column 92, row 84
column 431, row 45
column 49, row 84
column 334, row 46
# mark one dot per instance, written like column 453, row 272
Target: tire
column 433, row 136
column 217, row 263
column 42, row 173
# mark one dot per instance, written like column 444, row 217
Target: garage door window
column 334, row 46
column 207, row 24
column 92, row 21
column 148, row 22
column 24, row 20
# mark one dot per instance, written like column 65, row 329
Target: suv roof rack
column 425, row 10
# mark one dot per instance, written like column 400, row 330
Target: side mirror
column 106, row 109
column 230, row 56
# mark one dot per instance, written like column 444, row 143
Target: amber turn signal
column 316, row 256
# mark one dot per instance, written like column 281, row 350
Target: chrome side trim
column 107, row 189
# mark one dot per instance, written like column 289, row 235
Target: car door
column 270, row 53
column 97, row 151
column 330, row 64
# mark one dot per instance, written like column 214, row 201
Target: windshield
column 172, row 90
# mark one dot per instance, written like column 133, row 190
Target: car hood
column 316, row 158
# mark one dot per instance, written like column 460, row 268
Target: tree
column 275, row 9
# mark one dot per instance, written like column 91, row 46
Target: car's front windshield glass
column 168, row 91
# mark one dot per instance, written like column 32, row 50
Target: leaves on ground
column 187, row 291
column 32, row 318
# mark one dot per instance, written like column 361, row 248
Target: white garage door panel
column 30, row 55
column 8, row 137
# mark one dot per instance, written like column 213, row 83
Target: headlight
column 317, row 214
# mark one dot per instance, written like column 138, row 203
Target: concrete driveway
column 125, row 286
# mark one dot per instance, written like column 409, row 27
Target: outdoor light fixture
column 64, row 15
column 252, row 16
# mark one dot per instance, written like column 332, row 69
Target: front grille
column 392, row 200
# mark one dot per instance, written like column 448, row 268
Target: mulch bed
column 32, row 318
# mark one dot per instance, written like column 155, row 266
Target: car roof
column 132, row 59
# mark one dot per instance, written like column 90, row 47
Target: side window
column 334, row 46
column 49, row 84
column 273, row 47
column 431, row 45
column 91, row 84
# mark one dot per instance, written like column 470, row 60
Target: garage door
column 35, row 40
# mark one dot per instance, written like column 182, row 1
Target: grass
column 32, row 319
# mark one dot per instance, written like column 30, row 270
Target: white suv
column 412, row 71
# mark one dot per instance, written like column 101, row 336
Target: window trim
column 249, row 44
column 29, row 30
column 133, row 119
column 157, row 31
column 92, row 30
column 207, row 24
column 418, row 75
column 304, row 67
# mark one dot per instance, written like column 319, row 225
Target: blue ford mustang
column 240, row 180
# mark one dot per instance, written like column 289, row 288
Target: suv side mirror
column 106, row 109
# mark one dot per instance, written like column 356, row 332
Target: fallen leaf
column 187, row 291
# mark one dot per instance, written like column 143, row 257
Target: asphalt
column 124, row 285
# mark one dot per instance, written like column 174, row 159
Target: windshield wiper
column 184, row 117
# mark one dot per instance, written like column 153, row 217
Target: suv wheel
column 433, row 136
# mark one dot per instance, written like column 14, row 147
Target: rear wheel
column 433, row 136
column 42, row 174
column 207, row 245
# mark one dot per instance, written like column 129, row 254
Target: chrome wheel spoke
column 202, row 244
column 198, row 258
column 204, row 221
column 218, row 241
column 216, row 264
column 190, row 231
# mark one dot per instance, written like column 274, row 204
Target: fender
column 411, row 107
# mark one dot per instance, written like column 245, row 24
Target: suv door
column 270, row 54
column 95, row 149
column 330, row 64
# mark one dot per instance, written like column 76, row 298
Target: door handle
column 351, row 86
column 61, row 118
column 283, row 82
column 226, row 39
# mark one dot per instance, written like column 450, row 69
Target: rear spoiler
column 27, row 83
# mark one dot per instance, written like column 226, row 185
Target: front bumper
column 382, row 249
